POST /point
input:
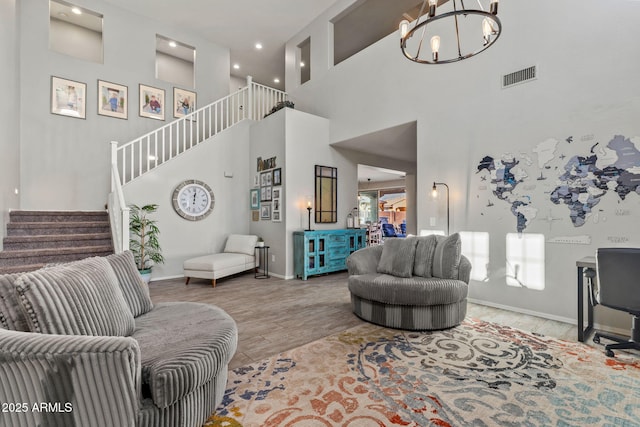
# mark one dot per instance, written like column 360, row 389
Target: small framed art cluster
column 69, row 98
column 265, row 198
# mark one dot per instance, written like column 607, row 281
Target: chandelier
column 453, row 34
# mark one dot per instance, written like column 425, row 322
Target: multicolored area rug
column 476, row 374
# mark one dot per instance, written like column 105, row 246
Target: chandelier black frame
column 491, row 31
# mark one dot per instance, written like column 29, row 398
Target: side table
column 262, row 255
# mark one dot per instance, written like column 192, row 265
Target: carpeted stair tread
column 49, row 228
column 32, row 256
column 57, row 216
column 56, row 241
column 12, row 269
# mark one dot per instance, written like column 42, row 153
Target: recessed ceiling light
column 76, row 10
column 258, row 46
column 276, row 80
column 173, row 44
column 236, row 66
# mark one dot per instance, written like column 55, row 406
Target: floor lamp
column 434, row 193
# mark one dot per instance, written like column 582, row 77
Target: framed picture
column 265, row 212
column 277, row 176
column 68, row 98
column 275, row 193
column 152, row 102
column 254, row 198
column 255, row 215
column 276, row 216
column 113, row 100
column 184, row 102
column 265, row 194
column 265, row 179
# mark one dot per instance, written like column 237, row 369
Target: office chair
column 618, row 273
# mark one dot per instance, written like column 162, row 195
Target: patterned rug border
column 279, row 390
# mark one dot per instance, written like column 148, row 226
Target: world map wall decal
column 580, row 182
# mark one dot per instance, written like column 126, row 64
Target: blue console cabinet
column 324, row 251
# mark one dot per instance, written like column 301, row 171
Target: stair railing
column 118, row 209
column 137, row 157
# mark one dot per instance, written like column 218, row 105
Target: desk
column 582, row 264
column 263, row 261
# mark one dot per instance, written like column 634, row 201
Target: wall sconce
column 434, row 194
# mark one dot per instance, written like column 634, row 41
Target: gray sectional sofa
column 81, row 344
column 417, row 283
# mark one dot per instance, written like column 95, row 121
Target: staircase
column 36, row 238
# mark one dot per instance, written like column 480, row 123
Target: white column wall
column 587, row 88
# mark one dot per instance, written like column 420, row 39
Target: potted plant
column 144, row 242
column 260, row 242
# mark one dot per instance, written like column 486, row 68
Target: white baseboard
column 597, row 326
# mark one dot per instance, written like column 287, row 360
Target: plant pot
column 259, row 244
column 145, row 274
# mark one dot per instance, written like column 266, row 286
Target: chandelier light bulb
column 404, row 28
column 432, row 8
column 487, row 30
column 493, row 8
column 435, row 46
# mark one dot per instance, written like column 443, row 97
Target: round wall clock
column 193, row 200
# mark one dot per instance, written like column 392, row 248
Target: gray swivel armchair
column 618, row 272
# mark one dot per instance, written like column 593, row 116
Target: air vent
column 521, row 76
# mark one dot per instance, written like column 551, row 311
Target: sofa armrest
column 69, row 380
column 464, row 270
column 364, row 261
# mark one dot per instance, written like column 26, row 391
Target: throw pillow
column 80, row 298
column 425, row 251
column 397, row 256
column 241, row 244
column 446, row 260
column 11, row 316
column 134, row 289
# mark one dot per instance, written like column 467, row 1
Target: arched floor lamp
column 434, row 194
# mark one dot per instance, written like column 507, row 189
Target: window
column 75, row 31
column 475, row 246
column 525, row 260
column 175, row 62
column 304, row 53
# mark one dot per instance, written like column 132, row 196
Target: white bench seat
column 239, row 256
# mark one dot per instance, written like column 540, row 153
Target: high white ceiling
column 239, row 25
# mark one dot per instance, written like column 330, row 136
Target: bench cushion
column 241, row 244
column 219, row 261
column 407, row 291
column 183, row 345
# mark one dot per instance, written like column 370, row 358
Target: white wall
column 181, row 239
column 9, row 112
column 587, row 86
column 64, row 162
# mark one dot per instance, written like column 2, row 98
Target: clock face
column 193, row 200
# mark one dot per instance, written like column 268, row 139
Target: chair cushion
column 183, row 345
column 241, row 243
column 215, row 262
column 79, row 298
column 446, row 259
column 397, row 257
column 134, row 289
column 425, row 251
column 11, row 315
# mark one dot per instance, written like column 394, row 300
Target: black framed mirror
column 326, row 194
